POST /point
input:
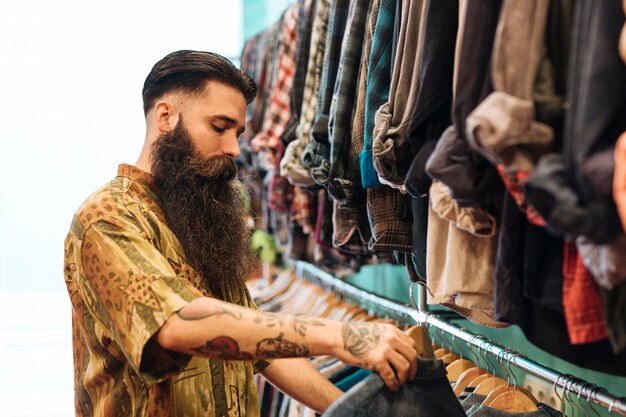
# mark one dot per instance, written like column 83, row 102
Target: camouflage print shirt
column 126, row 274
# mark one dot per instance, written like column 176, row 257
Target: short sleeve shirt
column 126, row 274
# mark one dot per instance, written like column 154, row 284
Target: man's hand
column 380, row 347
column 211, row 328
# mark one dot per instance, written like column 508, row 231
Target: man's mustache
column 220, row 167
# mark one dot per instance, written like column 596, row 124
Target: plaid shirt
column 344, row 177
column 351, row 231
column 294, row 168
column 320, row 150
column 378, row 82
column 391, row 220
column 314, row 70
column 303, row 209
column 582, row 304
column 278, row 114
column 390, row 146
column 264, row 67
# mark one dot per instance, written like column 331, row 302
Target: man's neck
column 144, row 162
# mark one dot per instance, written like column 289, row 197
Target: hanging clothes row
column 471, row 141
column 446, row 384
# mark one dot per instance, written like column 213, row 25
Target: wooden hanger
column 457, row 367
column 441, row 352
column 419, row 333
column 488, row 385
column 466, row 377
column 511, row 398
column 422, row 341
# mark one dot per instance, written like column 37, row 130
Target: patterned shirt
column 126, row 274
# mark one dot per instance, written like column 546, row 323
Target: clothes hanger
column 567, row 394
column 492, row 382
column 490, row 368
column 514, row 399
column 418, row 332
column 469, row 374
column 582, row 405
column 278, row 287
column 589, row 403
column 617, row 400
column 456, row 368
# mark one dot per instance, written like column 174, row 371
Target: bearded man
column 156, row 263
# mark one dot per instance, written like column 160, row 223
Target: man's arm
column 300, row 380
column 216, row 329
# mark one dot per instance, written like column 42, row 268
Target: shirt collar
column 136, row 174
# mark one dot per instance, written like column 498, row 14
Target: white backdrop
column 71, row 74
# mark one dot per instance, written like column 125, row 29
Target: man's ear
column 165, row 116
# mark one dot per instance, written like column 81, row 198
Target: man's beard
column 202, row 203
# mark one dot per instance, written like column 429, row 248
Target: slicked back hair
column 188, row 72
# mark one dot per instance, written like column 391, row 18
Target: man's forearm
column 215, row 329
column 300, row 380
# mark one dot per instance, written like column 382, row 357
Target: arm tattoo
column 188, row 315
column 222, row 347
column 360, row 338
column 270, row 318
column 299, row 324
column 280, row 348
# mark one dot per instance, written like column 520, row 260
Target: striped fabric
column 278, row 114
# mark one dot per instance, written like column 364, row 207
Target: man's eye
column 218, row 129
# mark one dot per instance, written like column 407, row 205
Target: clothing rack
column 406, row 315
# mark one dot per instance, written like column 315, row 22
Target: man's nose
column 231, row 148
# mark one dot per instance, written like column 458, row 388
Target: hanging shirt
column 428, row 395
column 126, row 275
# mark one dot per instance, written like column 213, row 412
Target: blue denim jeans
column 429, row 395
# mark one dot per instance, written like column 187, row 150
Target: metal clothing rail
column 409, row 315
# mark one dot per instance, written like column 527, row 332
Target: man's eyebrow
column 225, row 118
column 230, row 121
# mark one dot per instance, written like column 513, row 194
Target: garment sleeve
column 132, row 290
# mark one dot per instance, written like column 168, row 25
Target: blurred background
column 70, row 103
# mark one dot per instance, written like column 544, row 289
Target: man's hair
column 189, row 71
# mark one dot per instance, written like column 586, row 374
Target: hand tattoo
column 280, row 348
column 360, row 338
column 223, row 347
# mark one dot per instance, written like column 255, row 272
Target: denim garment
column 429, row 395
column 472, row 400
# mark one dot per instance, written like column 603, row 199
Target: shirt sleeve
column 131, row 288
